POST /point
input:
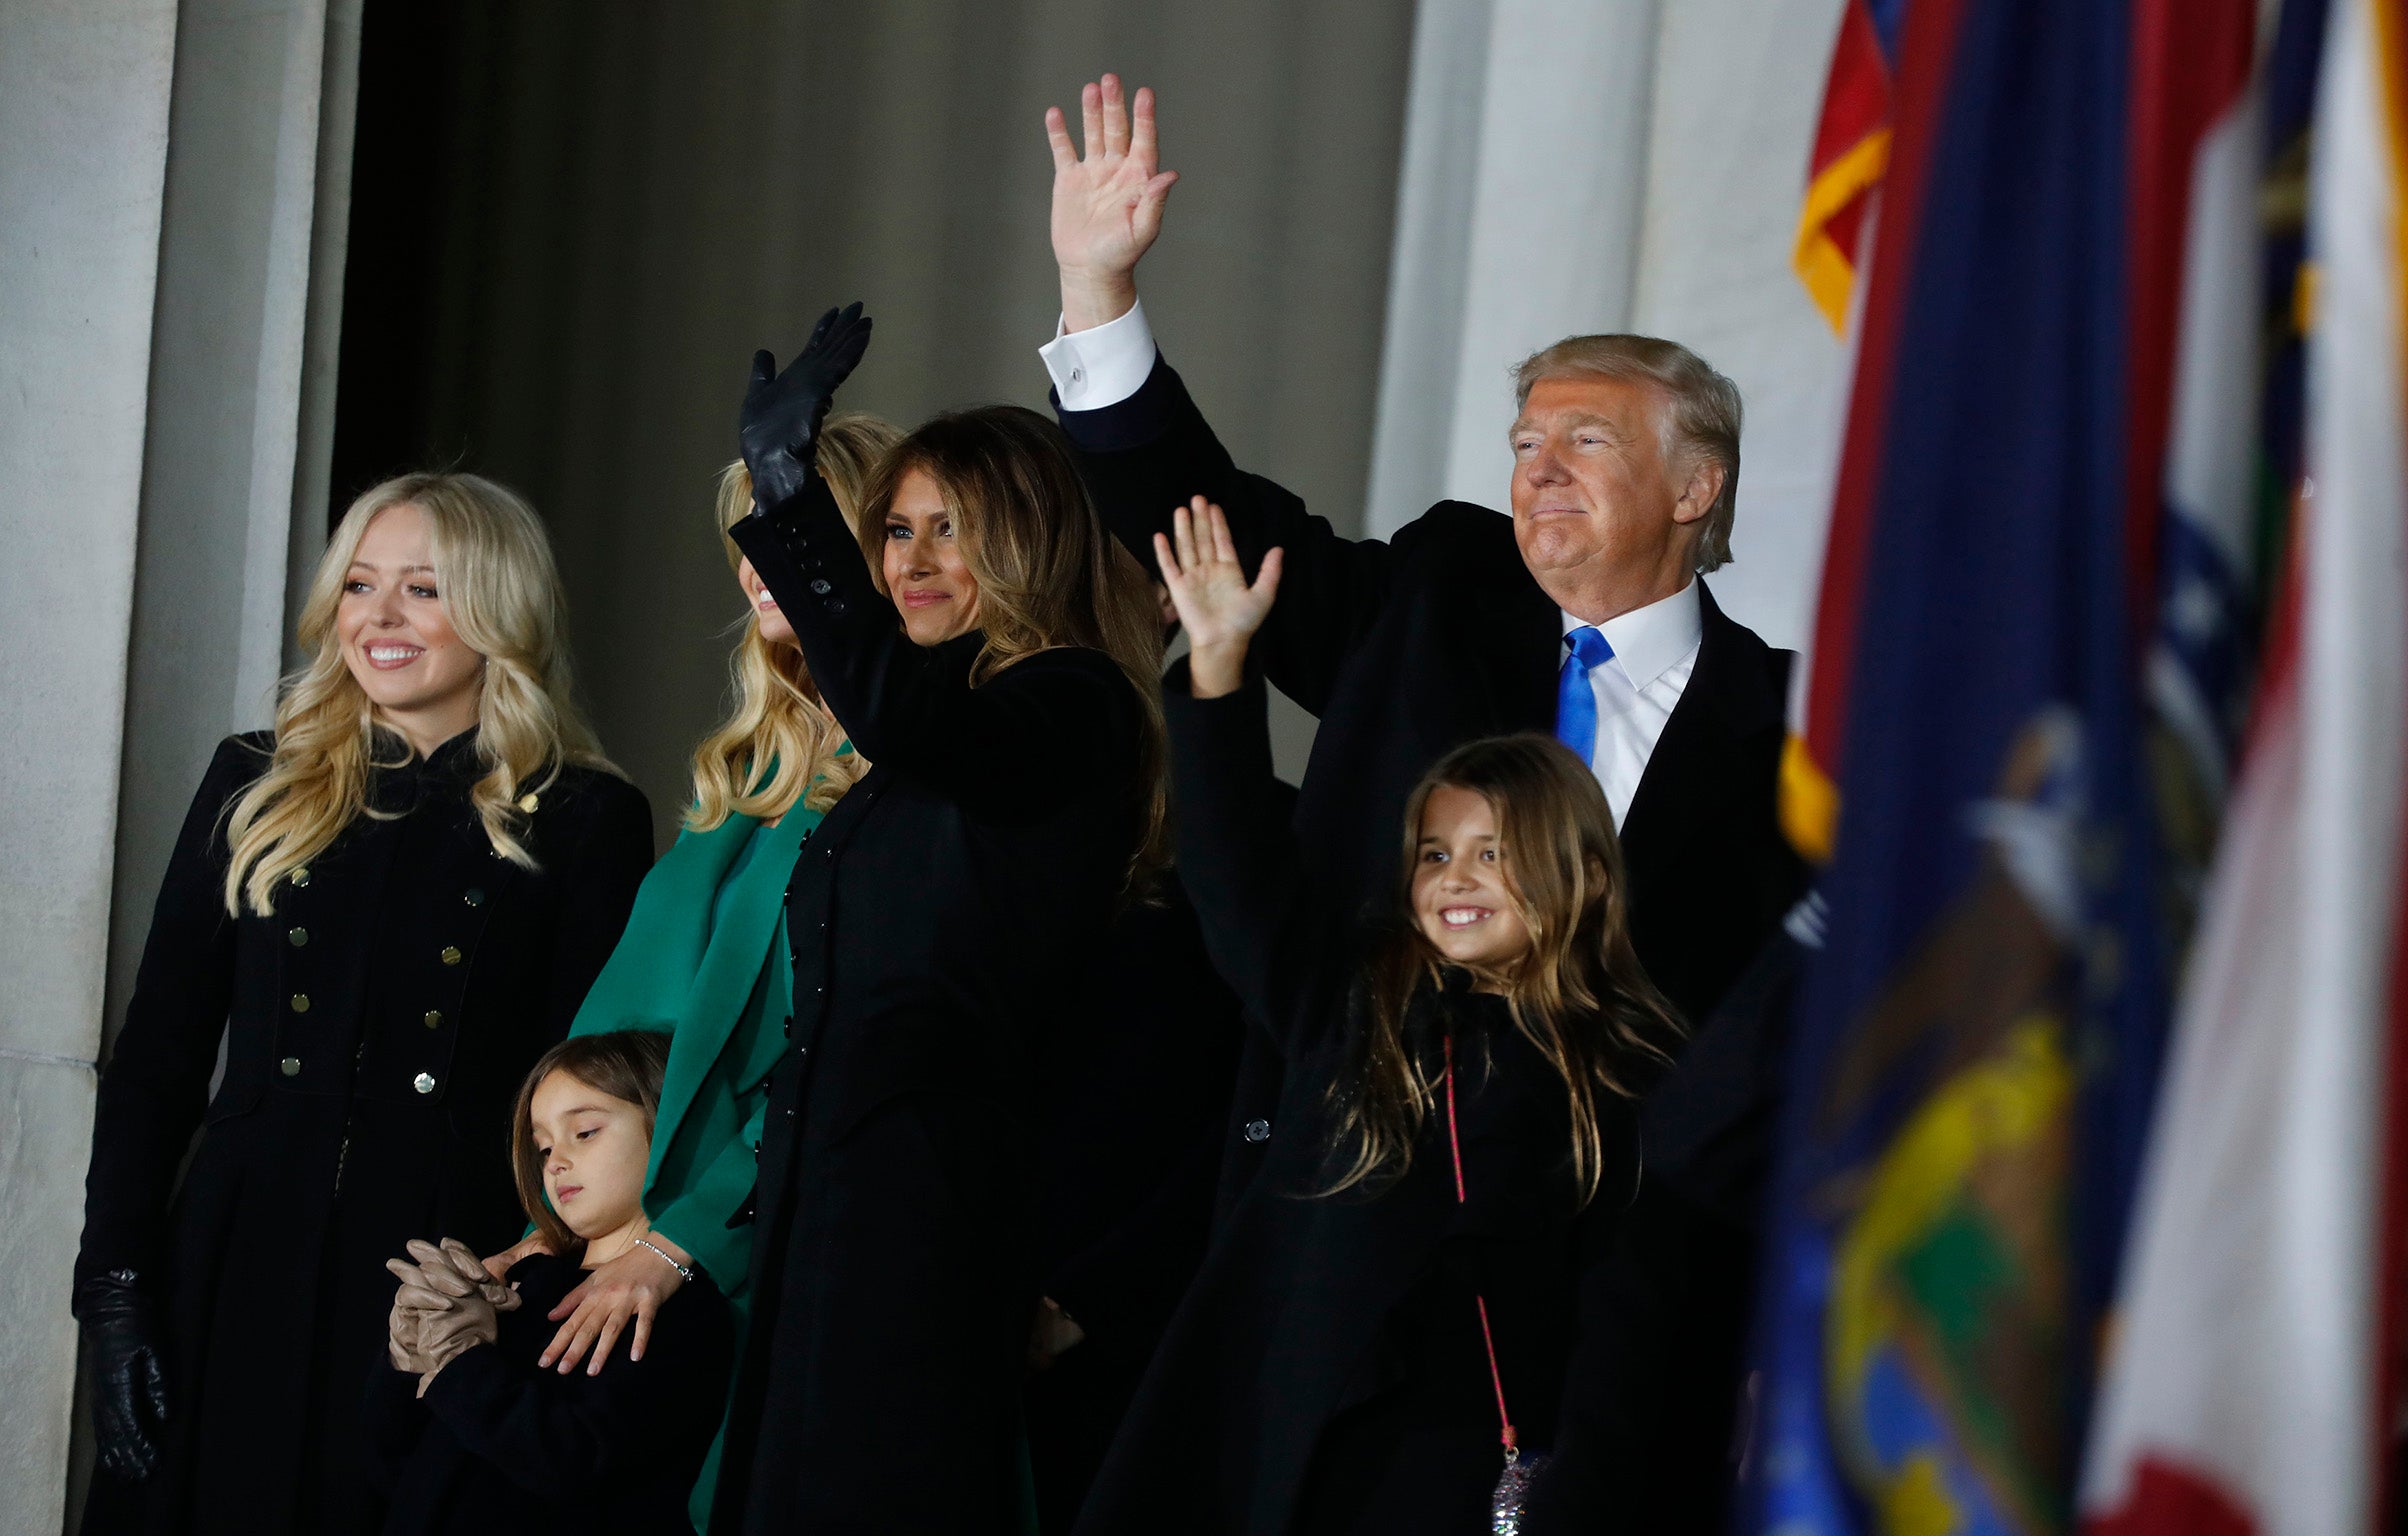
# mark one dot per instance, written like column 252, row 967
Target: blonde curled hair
column 501, row 592
column 777, row 748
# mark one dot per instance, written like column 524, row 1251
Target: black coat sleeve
column 1144, row 457
column 392, row 1422
column 599, row 871
column 1002, row 743
column 156, row 1086
column 550, row 1433
column 1273, row 937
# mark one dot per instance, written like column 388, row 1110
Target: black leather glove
column 779, row 424
column 129, row 1382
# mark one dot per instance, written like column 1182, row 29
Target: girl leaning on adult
column 994, row 657
column 705, row 955
column 385, row 909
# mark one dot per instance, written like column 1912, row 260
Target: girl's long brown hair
column 1577, row 994
column 1048, row 575
column 627, row 1064
column 777, row 747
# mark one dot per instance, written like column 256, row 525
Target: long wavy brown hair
column 1048, row 575
column 778, row 746
column 1578, row 994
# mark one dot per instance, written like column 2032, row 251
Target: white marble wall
column 167, row 378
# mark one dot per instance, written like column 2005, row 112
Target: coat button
column 474, row 896
column 432, row 1018
column 1258, row 1130
column 451, row 954
column 300, row 875
column 290, row 1066
column 296, row 937
column 528, row 802
column 822, row 586
column 424, row 1082
column 300, row 1002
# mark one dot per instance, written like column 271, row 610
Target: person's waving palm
column 1218, row 607
column 1107, row 201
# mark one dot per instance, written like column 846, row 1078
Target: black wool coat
column 499, row 1443
column 1327, row 1371
column 941, row 919
column 376, row 1028
column 1136, row 1082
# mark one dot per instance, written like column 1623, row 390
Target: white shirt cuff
column 1103, row 366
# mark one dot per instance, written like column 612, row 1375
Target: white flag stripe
column 2245, row 1360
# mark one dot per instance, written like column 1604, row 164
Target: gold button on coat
column 290, row 1066
column 424, row 1082
column 451, row 954
column 300, row 874
column 433, row 1018
column 296, row 936
column 300, row 1002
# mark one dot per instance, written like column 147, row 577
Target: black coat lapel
column 1731, row 695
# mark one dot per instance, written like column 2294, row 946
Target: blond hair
column 501, row 592
column 1048, row 575
column 1577, row 994
column 777, row 748
column 1701, row 419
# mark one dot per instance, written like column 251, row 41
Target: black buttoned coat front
column 376, row 1027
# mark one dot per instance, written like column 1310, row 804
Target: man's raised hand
column 1218, row 607
column 1107, row 203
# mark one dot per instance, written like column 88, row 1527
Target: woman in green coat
column 704, row 955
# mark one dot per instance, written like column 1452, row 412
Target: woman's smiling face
column 932, row 586
column 397, row 639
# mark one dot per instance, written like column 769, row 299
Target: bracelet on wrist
column 684, row 1271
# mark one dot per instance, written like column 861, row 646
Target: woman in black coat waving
column 1384, row 1335
column 993, row 656
column 385, row 910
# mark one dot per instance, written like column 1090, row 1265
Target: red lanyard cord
column 1496, row 1377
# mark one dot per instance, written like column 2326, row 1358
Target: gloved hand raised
column 778, row 426
column 447, row 1303
column 129, row 1382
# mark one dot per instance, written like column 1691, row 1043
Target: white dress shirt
column 1655, row 647
column 1655, row 650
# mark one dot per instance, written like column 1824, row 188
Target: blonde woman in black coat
column 384, row 910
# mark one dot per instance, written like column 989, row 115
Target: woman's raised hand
column 1218, row 607
column 628, row 1289
column 778, row 426
column 1107, row 203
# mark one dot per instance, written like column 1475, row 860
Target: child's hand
column 1217, row 606
column 629, row 1288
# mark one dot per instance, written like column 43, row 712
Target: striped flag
column 1851, row 155
column 2248, row 1389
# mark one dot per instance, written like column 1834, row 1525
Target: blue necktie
column 1575, row 699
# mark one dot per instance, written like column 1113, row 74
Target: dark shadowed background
column 571, row 224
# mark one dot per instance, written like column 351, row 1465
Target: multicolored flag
column 1977, row 1041
column 2251, row 1386
column 1851, row 154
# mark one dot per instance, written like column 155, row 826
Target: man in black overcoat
column 1584, row 614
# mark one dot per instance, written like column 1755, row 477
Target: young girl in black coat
column 469, row 1432
column 1384, row 1336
